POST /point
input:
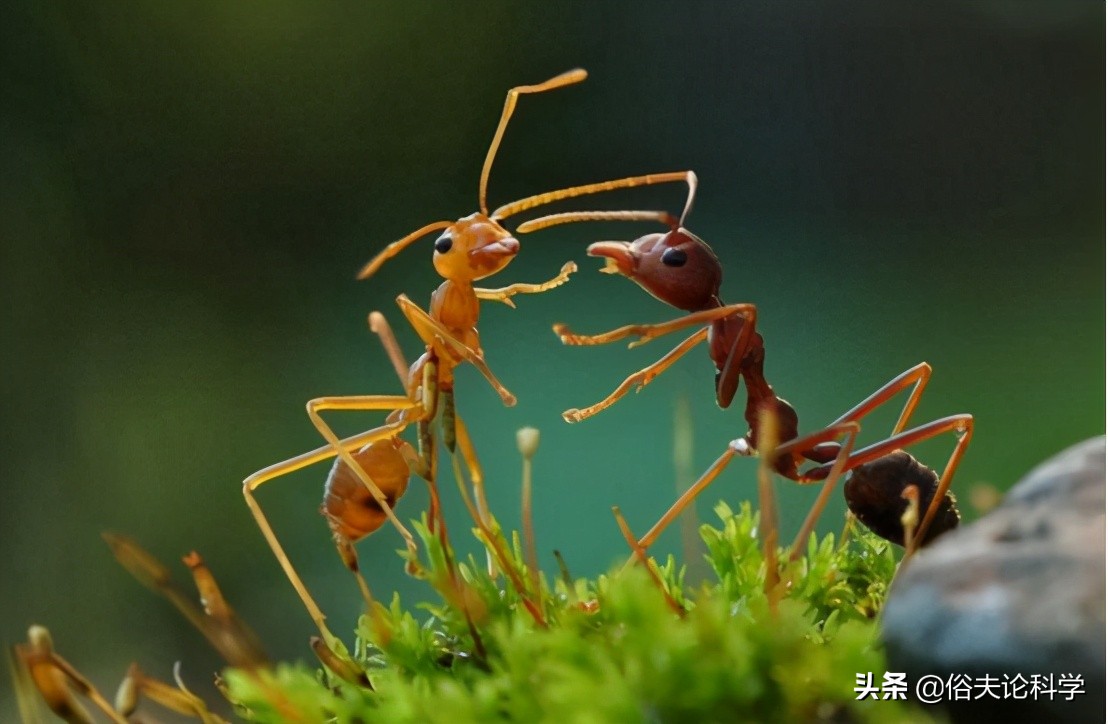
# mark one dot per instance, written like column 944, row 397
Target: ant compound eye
column 674, row 257
column 443, row 244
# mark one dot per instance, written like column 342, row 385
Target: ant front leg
column 639, row 379
column 435, row 335
column 505, row 294
column 647, row 332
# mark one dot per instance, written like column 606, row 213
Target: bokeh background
column 188, row 189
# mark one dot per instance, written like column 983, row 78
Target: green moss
column 625, row 655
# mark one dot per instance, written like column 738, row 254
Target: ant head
column 675, row 267
column 473, row 248
column 488, row 246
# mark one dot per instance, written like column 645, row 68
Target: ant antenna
column 398, row 246
column 691, row 180
column 568, row 78
column 570, row 217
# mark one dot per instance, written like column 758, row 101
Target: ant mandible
column 371, row 472
column 680, row 269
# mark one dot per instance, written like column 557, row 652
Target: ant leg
column 549, row 197
column 688, row 496
column 280, row 469
column 425, row 464
column 349, row 556
column 647, row 332
column 357, row 403
column 493, row 543
column 964, row 430
column 422, row 464
column 380, row 326
column 316, row 614
column 838, row 467
column 640, row 379
column 398, row 246
column 727, row 379
column 961, row 425
column 738, row 447
column 505, row 294
column 652, row 331
column 559, row 81
column 434, row 334
column 639, row 554
column 477, row 477
column 917, row 377
column 303, row 460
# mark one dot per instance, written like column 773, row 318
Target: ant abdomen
column 874, row 495
column 350, row 509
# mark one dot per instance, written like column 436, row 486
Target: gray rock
column 1019, row 592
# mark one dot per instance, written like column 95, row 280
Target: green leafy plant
column 776, row 635
column 613, row 648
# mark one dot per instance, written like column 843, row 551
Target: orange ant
column 371, row 472
column 680, row 269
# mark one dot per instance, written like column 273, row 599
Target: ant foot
column 563, row 274
column 572, row 415
column 644, row 337
column 567, row 336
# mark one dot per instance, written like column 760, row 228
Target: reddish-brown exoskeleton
column 371, row 472
column 680, row 269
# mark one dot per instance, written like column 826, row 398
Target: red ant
column 372, row 469
column 680, row 269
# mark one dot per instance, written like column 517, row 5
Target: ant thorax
column 456, row 306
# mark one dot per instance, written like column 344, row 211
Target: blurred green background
column 188, row 189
